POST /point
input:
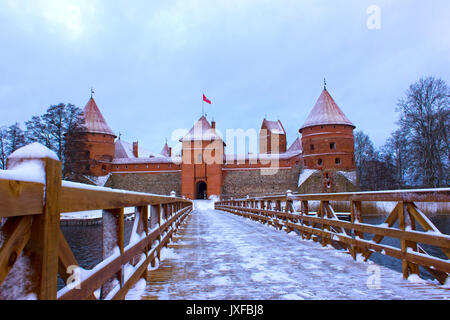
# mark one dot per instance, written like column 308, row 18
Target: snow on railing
column 292, row 212
column 32, row 198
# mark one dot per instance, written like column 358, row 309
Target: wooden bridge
column 30, row 225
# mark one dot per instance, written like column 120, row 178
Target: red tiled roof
column 295, row 146
column 165, row 151
column 273, row 126
column 326, row 111
column 93, row 119
column 201, row 130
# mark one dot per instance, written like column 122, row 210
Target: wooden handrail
column 32, row 211
column 325, row 226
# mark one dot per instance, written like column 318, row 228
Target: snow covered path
column 221, row 256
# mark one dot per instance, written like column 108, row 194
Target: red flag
column 206, row 99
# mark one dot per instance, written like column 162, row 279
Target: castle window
column 104, row 168
column 321, row 127
column 319, row 162
column 338, row 160
column 332, row 146
column 311, row 147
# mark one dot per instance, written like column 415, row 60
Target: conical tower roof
column 201, row 130
column 326, row 111
column 94, row 121
column 165, row 151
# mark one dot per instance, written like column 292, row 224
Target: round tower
column 327, row 139
column 97, row 142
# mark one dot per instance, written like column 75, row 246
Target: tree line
column 56, row 129
column 417, row 153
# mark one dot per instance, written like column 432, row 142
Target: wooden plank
column 16, row 231
column 424, row 260
column 20, row 198
column 67, row 259
column 440, row 240
column 76, row 199
column 113, row 236
column 105, row 272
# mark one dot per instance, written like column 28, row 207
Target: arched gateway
column 201, row 189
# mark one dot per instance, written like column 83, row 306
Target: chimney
column 170, row 151
column 136, row 149
column 213, row 124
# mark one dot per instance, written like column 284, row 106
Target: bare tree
column 397, row 147
column 424, row 120
column 15, row 138
column 3, row 146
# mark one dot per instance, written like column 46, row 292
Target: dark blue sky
column 149, row 61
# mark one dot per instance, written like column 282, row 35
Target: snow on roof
column 33, row 150
column 124, row 150
column 304, row 175
column 262, row 156
column 93, row 119
column 326, row 111
column 274, row 127
column 201, row 130
column 296, row 145
column 159, row 159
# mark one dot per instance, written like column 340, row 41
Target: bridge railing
column 359, row 238
column 30, row 212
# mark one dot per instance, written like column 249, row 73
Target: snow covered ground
column 221, row 256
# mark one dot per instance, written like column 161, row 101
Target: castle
column 323, row 160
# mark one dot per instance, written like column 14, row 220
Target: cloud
column 69, row 19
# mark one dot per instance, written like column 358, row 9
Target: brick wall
column 161, row 183
column 241, row 183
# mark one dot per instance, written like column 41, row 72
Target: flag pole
column 203, row 104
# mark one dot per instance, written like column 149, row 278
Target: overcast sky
column 149, row 61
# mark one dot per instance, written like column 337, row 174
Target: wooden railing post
column 113, row 237
column 43, row 244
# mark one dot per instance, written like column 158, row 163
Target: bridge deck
column 218, row 255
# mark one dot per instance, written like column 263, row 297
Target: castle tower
column 272, row 137
column 202, row 161
column 327, row 138
column 97, row 141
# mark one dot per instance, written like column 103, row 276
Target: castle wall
column 317, row 182
column 240, row 183
column 161, row 183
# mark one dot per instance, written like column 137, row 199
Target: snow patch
column 167, row 253
column 349, row 175
column 414, row 278
column 306, row 173
column 137, row 291
column 34, row 150
column 203, row 205
column 31, row 171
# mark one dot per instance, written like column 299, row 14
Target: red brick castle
column 323, row 160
